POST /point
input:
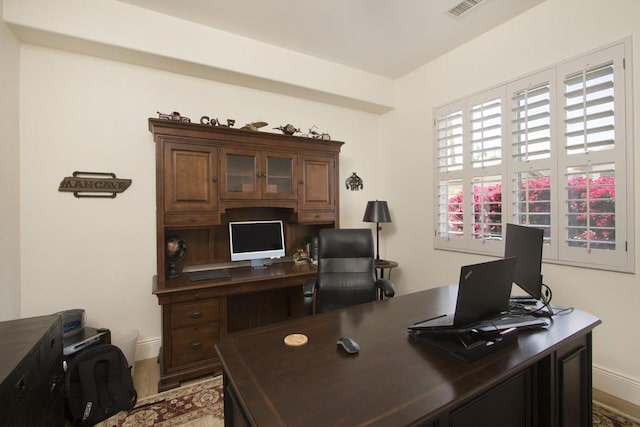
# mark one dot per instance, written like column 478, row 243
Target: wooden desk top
column 394, row 380
column 237, row 276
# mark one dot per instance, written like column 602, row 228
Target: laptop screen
column 484, row 290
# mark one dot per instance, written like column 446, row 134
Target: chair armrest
column 386, row 286
column 308, row 289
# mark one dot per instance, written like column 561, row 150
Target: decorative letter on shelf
column 88, row 184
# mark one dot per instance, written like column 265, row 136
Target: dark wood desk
column 542, row 380
column 196, row 315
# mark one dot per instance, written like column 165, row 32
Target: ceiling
column 385, row 37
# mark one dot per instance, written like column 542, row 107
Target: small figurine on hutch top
column 313, row 133
column 254, row 125
column 288, row 129
column 173, row 116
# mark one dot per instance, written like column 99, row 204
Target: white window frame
column 555, row 166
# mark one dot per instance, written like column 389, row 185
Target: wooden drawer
column 50, row 346
column 18, row 384
column 45, row 398
column 194, row 344
column 317, row 216
column 191, row 220
column 199, row 295
column 195, row 313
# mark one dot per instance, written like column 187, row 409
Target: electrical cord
column 546, row 300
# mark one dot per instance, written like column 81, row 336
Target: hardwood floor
column 145, row 377
column 617, row 403
column 147, row 374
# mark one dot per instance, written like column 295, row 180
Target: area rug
column 606, row 416
column 195, row 405
column 201, row 405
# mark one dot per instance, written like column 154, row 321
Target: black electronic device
column 483, row 293
column 348, row 344
column 525, row 243
column 196, row 276
column 256, row 241
column 509, row 321
column 471, row 345
column 85, row 337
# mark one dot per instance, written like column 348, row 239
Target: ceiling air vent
column 464, row 7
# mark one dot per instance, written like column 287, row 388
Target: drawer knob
column 20, row 385
column 196, row 345
column 53, row 383
column 195, row 314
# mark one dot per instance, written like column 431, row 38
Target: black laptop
column 483, row 293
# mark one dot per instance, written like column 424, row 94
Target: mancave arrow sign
column 94, row 184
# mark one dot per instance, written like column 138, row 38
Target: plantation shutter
column 484, row 204
column 531, row 123
column 449, row 128
column 449, row 154
column 531, row 159
column 486, row 133
column 549, row 150
column 592, row 159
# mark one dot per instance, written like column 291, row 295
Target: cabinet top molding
column 160, row 128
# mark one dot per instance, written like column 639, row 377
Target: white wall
column 116, row 30
column 552, row 32
column 90, row 114
column 9, row 175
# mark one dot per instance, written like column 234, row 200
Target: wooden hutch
column 207, row 176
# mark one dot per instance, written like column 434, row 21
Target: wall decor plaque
column 94, row 184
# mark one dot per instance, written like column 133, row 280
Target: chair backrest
column 346, row 268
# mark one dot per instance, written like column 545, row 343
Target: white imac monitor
column 256, row 241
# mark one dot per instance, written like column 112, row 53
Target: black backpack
column 98, row 385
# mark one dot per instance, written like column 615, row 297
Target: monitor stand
column 258, row 263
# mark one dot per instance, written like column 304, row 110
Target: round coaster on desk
column 295, row 340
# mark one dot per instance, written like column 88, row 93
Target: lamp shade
column 377, row 211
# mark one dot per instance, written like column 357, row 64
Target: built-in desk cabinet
column 190, row 181
column 251, row 174
column 207, row 176
column 317, row 197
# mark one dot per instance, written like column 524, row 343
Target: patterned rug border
column 191, row 403
column 200, row 404
column 154, row 398
column 617, row 412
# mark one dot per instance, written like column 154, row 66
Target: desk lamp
column 377, row 212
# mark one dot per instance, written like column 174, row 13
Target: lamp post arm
column 378, row 240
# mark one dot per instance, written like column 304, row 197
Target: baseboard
column 618, row 385
column 148, row 349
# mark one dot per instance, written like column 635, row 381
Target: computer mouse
column 348, row 344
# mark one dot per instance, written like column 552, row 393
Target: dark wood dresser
column 31, row 372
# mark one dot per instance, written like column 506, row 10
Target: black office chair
column 346, row 272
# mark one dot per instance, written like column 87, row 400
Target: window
column 548, row 150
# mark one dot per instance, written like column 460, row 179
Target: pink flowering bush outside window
column 590, row 203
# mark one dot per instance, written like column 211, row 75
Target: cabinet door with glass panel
column 251, row 174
